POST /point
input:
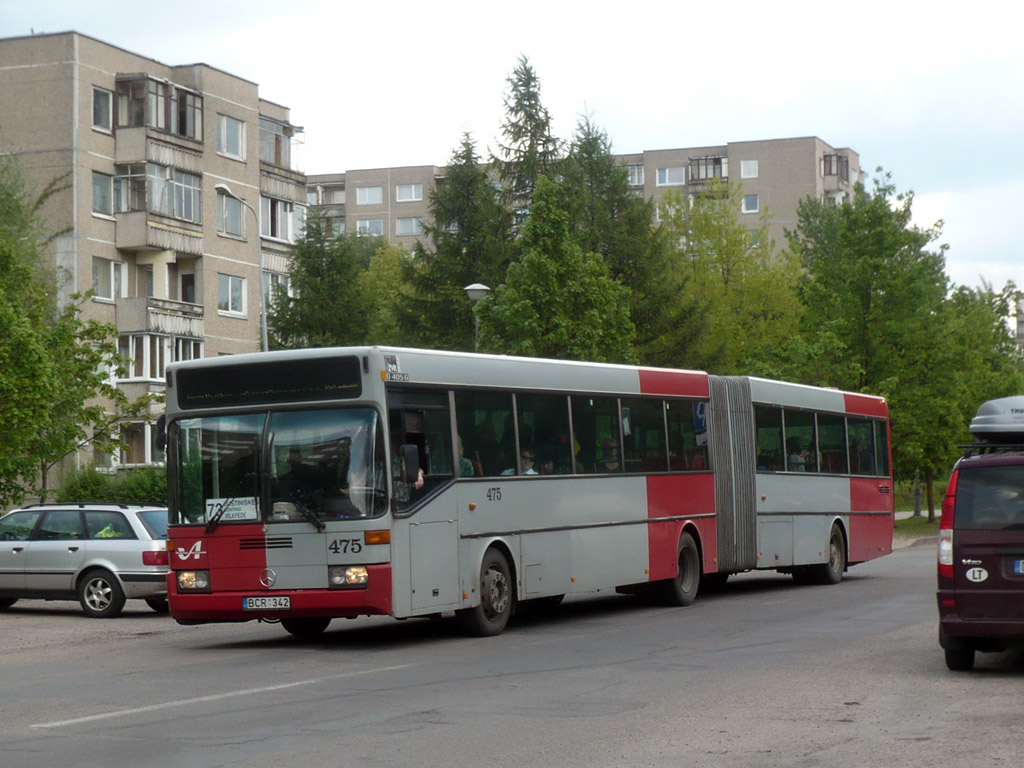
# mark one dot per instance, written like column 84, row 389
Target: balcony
column 145, row 231
column 147, row 314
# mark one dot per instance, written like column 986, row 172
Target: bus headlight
column 193, row 581
column 347, row 576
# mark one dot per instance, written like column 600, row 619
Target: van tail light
column 946, row 529
column 155, row 558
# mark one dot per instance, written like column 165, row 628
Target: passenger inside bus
column 795, row 460
column 609, row 457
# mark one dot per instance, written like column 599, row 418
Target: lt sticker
column 977, row 575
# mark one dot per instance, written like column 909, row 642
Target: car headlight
column 348, row 576
column 193, row 581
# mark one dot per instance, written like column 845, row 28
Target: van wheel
column 496, row 598
column 960, row 659
column 682, row 590
column 158, row 604
column 832, row 571
column 100, row 594
column 305, row 629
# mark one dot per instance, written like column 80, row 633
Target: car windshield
column 990, row 498
column 285, row 466
column 155, row 521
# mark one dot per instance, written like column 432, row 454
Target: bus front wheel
column 305, row 629
column 496, row 597
column 682, row 590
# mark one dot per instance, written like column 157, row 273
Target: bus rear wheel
column 305, row 629
column 832, row 571
column 682, row 590
column 496, row 598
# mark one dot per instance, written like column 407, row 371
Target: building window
column 231, row 137
column 187, row 114
column 369, row 195
column 409, row 226
column 134, row 436
column 187, row 287
column 145, row 356
column 280, row 219
column 172, row 193
column 635, row 173
column 229, row 215
column 129, row 187
column 409, row 193
column 102, row 193
column 108, row 279
column 703, row 168
column 231, row 294
column 750, row 204
column 142, row 103
column 836, row 165
column 370, row 227
column 335, row 226
column 102, row 109
column 187, row 349
column 668, row 177
column 275, row 283
column 275, row 142
column 748, row 169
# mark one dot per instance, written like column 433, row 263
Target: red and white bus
column 313, row 484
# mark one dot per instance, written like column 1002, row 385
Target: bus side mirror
column 410, row 463
column 161, row 432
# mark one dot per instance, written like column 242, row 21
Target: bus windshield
column 278, row 467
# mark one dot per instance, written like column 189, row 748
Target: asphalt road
column 762, row 673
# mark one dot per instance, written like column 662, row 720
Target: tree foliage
column 55, row 369
column 529, row 149
column 558, row 301
column 471, row 234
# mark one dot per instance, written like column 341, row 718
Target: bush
column 146, row 485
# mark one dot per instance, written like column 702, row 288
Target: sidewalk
column 900, row 542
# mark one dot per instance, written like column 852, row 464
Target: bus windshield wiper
column 212, row 522
column 309, row 514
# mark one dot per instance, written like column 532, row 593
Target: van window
column 990, row 498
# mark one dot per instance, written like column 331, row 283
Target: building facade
column 775, row 175
column 180, row 202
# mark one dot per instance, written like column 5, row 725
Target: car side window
column 18, row 526
column 103, row 524
column 61, row 525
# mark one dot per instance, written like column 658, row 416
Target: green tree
column 874, row 284
column 746, row 289
column 608, row 217
column 382, row 284
column 471, row 235
column 558, row 301
column 326, row 304
column 528, row 150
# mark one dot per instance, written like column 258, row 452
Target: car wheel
column 496, row 599
column 7, row 602
column 100, row 594
column 305, row 629
column 158, row 604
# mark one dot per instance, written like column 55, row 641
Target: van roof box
column 1000, row 421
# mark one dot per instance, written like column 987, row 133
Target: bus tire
column 496, row 597
column 682, row 590
column 832, row 571
column 305, row 629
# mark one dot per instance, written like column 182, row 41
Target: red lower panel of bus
column 691, row 498
column 870, row 537
column 305, row 603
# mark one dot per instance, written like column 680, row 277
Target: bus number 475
column 345, row 546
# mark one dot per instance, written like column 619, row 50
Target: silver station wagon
column 98, row 554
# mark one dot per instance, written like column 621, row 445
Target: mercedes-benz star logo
column 268, row 577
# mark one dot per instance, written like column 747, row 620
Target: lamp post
column 224, row 189
column 475, row 292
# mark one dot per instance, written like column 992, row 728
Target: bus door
column 426, row 534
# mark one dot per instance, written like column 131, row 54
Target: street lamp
column 475, row 292
column 224, row 189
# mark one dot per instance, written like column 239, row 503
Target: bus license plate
column 1018, row 567
column 266, row 603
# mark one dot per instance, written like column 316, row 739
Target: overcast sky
column 934, row 96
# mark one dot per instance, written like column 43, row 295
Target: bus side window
column 595, row 424
column 544, row 434
column 687, row 435
column 421, row 419
column 481, row 419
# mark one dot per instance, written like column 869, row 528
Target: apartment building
column 181, row 199
column 775, row 175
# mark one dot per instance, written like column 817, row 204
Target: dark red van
column 981, row 539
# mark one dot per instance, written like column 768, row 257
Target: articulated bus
column 321, row 483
